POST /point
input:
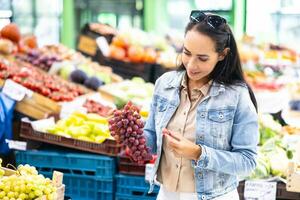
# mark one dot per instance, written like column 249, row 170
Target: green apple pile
column 25, row 184
column 88, row 127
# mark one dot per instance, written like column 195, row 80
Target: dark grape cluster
column 127, row 126
column 39, row 59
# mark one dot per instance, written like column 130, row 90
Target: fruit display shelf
column 36, row 107
column 68, row 57
column 48, row 90
column 108, row 147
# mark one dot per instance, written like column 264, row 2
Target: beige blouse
column 177, row 174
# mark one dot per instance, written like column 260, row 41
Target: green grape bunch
column 26, row 184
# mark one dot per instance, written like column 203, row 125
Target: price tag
column 69, row 107
column 103, row 45
column 15, row 91
column 43, row 124
column 57, row 178
column 260, row 190
column 18, row 145
column 148, row 171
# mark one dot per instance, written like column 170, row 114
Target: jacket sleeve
column 149, row 129
column 241, row 159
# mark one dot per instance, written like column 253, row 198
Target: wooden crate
column 293, row 179
column 108, row 147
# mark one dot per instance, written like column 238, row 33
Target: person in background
column 203, row 121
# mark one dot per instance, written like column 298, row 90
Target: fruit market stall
column 87, row 121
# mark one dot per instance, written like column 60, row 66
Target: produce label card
column 148, row 171
column 15, row 91
column 18, row 145
column 260, row 190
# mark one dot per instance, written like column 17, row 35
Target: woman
column 203, row 121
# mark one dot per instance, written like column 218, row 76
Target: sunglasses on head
column 213, row 21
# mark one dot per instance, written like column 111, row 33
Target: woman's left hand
column 181, row 146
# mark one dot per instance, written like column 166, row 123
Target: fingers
column 171, row 141
column 165, row 131
column 176, row 136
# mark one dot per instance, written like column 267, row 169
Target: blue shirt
column 226, row 129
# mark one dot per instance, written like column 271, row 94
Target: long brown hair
column 229, row 70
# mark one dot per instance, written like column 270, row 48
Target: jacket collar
column 215, row 89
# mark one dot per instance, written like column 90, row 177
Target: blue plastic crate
column 134, row 187
column 69, row 162
column 80, row 187
column 130, row 197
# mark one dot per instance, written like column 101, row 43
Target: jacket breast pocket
column 220, row 123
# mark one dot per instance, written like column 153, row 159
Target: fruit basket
column 108, row 147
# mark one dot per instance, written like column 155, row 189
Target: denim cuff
column 202, row 162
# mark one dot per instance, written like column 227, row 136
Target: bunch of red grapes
column 127, row 126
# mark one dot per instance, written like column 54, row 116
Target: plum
column 78, row 76
column 93, row 83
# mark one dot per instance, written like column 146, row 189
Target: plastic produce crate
column 133, row 187
column 86, row 176
column 126, row 166
column 129, row 197
column 108, row 147
column 69, row 163
column 82, row 187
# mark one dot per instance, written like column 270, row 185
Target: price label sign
column 18, row 145
column 69, row 107
column 103, row 45
column 148, row 171
column 15, row 91
column 260, row 190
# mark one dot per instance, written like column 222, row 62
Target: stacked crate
column 129, row 187
column 86, row 176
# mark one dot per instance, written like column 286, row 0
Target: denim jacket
column 226, row 129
